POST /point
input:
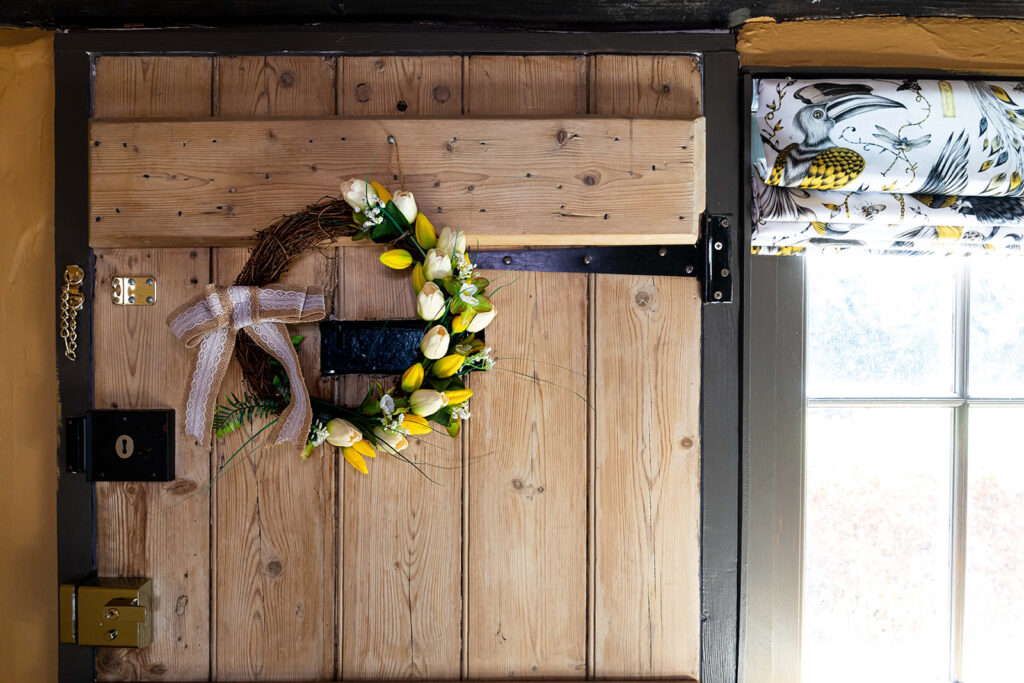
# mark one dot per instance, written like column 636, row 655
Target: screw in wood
column 718, row 296
column 586, row 260
column 688, row 270
column 725, row 222
column 718, row 246
column 507, row 260
column 662, row 251
column 724, row 272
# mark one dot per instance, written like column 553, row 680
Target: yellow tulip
column 382, row 192
column 425, row 234
column 399, row 259
column 416, row 425
column 418, row 278
column 364, row 447
column 449, row 365
column 355, row 459
column 462, row 320
column 456, row 396
column 412, row 379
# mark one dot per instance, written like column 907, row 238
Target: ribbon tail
column 211, row 361
column 292, row 425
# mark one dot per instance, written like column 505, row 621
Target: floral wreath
column 451, row 299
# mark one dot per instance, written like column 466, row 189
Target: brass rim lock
column 107, row 612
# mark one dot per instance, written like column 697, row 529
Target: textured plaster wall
column 28, row 382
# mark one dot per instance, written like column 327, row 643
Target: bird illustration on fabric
column 816, row 162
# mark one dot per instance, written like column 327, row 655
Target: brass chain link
column 71, row 302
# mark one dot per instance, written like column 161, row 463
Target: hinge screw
column 662, row 251
column 725, row 222
column 111, row 614
column 688, row 270
column 718, row 246
column 131, row 281
column 149, row 299
column 586, row 260
column 725, row 272
column 131, row 299
column 718, row 296
column 507, row 260
column 112, row 634
column 149, row 281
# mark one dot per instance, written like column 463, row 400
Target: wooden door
column 557, row 538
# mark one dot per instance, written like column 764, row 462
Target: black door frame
column 723, row 433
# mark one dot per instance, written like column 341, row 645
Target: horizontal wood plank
column 508, row 182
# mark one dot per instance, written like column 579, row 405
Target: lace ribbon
column 209, row 323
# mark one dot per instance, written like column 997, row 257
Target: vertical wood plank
column 157, row 530
column 401, row 550
column 159, row 87
column 161, row 531
column 274, row 514
column 646, row 85
column 527, row 493
column 392, row 86
column 646, row 336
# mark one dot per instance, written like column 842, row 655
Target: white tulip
column 430, row 302
column 396, row 441
column 481, row 320
column 358, row 193
column 406, row 203
column 425, row 402
column 451, row 242
column 342, row 433
column 437, row 265
column 435, row 342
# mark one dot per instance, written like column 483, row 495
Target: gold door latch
column 71, row 302
column 134, row 290
column 107, row 612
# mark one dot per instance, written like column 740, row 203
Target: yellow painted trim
column 992, row 46
column 28, row 382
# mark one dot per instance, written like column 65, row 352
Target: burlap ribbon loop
column 209, row 323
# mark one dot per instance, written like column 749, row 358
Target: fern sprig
column 238, row 411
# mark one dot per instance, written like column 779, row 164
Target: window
column 913, row 470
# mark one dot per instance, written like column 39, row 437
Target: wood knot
column 379, row 65
column 111, row 660
column 180, row 487
column 363, row 92
column 517, row 484
column 666, row 88
column 642, row 298
column 287, row 79
column 442, row 94
column 687, row 442
column 561, row 136
column 274, row 568
column 589, row 180
column 180, row 604
column 156, row 671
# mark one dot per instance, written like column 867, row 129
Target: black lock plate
column 369, row 347
column 123, row 445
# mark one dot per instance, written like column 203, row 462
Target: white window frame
column 774, row 486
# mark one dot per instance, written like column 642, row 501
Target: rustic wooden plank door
column 558, row 537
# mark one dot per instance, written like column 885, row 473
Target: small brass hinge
column 134, row 290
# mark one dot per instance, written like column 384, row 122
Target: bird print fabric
column 891, row 164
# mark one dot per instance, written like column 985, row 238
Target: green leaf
column 438, row 383
column 297, row 339
column 451, row 285
column 483, row 304
column 457, row 305
column 480, row 282
column 395, row 215
column 383, row 232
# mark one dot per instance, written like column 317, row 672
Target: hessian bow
column 208, row 325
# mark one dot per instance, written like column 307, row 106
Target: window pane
column 876, row 545
column 994, row 607
column 879, row 325
column 997, row 327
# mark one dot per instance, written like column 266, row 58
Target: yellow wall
column 28, row 382
column 993, row 46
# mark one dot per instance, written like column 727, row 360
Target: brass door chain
column 71, row 301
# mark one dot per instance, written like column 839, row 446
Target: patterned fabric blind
column 888, row 165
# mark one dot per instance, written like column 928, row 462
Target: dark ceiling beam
column 532, row 14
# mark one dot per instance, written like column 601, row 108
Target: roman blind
column 890, row 165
